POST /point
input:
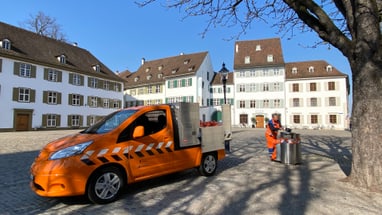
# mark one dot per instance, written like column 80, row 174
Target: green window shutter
column 221, row 101
column 81, row 120
column 81, row 100
column 100, row 84
column 89, row 100
column 211, row 90
column 166, row 100
column 33, row 72
column 168, row 84
column 190, row 81
column 111, row 85
column 183, row 82
column 44, row 120
column 89, row 81
column 46, row 70
column 71, row 78
column 175, row 83
column 192, row 99
column 59, row 76
column 45, row 97
column 99, row 102
column 88, row 120
column 81, row 80
column 228, row 89
column 208, row 102
column 16, row 68
column 69, row 120
column 70, row 100
column 15, row 94
column 32, row 95
column 184, row 98
column 58, row 120
column 59, row 96
column 231, row 101
column 1, row 64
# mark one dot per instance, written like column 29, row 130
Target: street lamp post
column 224, row 73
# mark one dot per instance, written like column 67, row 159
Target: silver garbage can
column 290, row 148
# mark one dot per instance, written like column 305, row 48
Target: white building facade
column 38, row 91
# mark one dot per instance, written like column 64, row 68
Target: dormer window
column 174, row 71
column 329, row 68
column 311, row 69
column 97, row 68
column 149, row 77
column 148, row 69
column 6, row 44
column 160, row 67
column 186, row 61
column 247, row 60
column 294, row 70
column 270, row 58
column 160, row 75
column 62, row 59
column 258, row 48
column 136, row 79
column 191, row 68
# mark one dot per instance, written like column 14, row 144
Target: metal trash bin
column 290, row 148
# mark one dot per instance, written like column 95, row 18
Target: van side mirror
column 139, row 131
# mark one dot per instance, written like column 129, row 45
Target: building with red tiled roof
column 46, row 83
column 184, row 77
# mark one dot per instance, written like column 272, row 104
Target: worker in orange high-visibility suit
column 273, row 127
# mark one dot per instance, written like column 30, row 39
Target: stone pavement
column 245, row 183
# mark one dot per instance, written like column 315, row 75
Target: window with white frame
column 93, row 82
column 6, row 44
column 52, row 75
column 333, row 119
column 294, row 70
column 276, row 86
column 25, row 70
column 242, row 74
column 265, row 72
column 116, row 104
column 149, row 89
column 296, row 119
column 252, row 104
column 313, row 102
column 51, row 120
column 252, row 87
column 62, row 59
column 311, row 69
column 105, row 103
column 52, row 98
column 266, row 103
column 75, row 120
column 241, row 88
column 329, row 68
column 247, row 60
column 158, row 88
column 216, row 102
column 76, row 79
column 106, row 85
column 93, row 101
column 270, row 58
column 277, row 103
column 242, row 104
column 296, row 102
column 265, row 87
column 76, row 99
column 332, row 101
column 24, row 95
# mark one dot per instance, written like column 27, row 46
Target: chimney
column 75, row 44
column 143, row 61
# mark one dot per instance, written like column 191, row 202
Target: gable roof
column 34, row 48
column 319, row 66
column 157, row 71
column 124, row 74
column 258, row 51
column 217, row 79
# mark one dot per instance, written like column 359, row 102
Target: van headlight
column 70, row 151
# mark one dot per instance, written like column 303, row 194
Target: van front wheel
column 208, row 165
column 105, row 185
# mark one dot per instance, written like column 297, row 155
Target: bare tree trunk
column 367, row 122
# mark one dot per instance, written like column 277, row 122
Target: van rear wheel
column 105, row 185
column 208, row 165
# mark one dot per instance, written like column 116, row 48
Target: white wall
column 8, row 81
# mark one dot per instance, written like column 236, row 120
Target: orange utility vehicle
column 128, row 146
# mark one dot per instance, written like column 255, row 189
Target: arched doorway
column 216, row 116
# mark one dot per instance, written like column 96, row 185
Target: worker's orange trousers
column 271, row 144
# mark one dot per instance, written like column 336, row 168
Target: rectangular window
column 247, row 60
column 296, row 102
column 93, row 101
column 75, row 120
column 332, row 101
column 116, row 87
column 25, row 70
column 141, row 91
column 157, row 88
column 313, row 102
column 296, row 119
column 241, row 88
column 52, row 75
column 216, row 102
column 106, row 85
column 276, row 86
column 24, row 95
column 76, row 79
column 295, row 88
column 265, row 72
column 242, row 74
column 52, row 98
column 106, row 103
column 313, row 119
column 266, row 103
column 252, row 104
column 313, row 86
column 333, row 119
column 149, row 89
column 270, row 58
column 116, row 104
column 93, row 82
column 76, row 100
column 242, row 104
column 331, row 85
column 277, row 103
column 266, row 87
column 51, row 120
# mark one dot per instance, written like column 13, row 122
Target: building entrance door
column 259, row 121
column 22, row 122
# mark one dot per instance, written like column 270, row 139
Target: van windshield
column 110, row 122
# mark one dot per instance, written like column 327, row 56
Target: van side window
column 153, row 122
